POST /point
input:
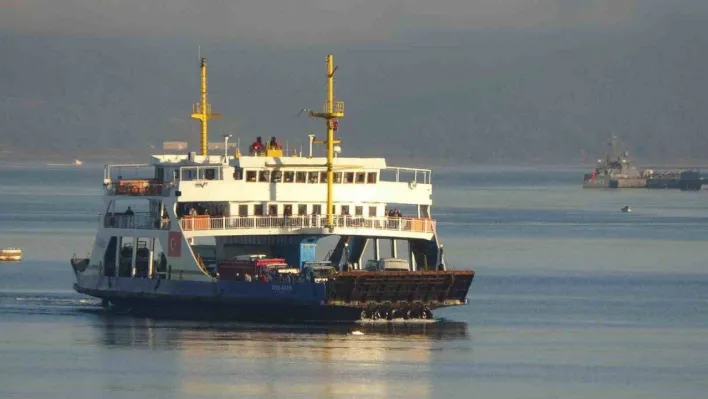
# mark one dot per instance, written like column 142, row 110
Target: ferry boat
column 11, row 254
column 237, row 237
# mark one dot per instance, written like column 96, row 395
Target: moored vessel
column 10, row 254
column 616, row 171
column 242, row 237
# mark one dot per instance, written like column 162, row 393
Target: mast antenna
column 331, row 111
column 202, row 109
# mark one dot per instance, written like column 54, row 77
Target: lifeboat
column 11, row 254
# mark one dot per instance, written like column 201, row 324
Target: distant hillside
column 477, row 96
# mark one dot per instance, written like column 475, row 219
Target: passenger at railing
column 129, row 212
column 192, row 211
column 274, row 144
column 257, row 146
column 247, row 277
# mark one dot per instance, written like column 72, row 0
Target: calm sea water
column 573, row 299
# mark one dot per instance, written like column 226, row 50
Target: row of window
column 302, row 209
column 278, row 176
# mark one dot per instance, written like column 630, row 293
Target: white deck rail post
column 151, row 264
column 133, row 268
column 119, row 243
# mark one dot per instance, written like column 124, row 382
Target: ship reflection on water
column 147, row 333
column 255, row 360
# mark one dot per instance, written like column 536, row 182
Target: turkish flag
column 174, row 248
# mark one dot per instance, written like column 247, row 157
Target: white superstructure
column 267, row 202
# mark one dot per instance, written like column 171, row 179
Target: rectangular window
column 317, row 209
column 176, row 174
column 210, row 174
column 302, row 209
column 273, row 210
column 372, row 211
column 345, row 209
column 251, row 175
column 243, row 210
column 349, row 177
column 312, row 177
column 338, row 177
column 238, row 174
column 300, row 177
column 258, row 209
column 277, row 176
column 287, row 210
column 323, row 177
column 361, row 177
column 371, row 177
column 264, row 176
column 359, row 210
column 289, row 177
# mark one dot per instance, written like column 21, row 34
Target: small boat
column 77, row 162
column 11, row 254
column 626, row 209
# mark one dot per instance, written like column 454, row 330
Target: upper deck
column 269, row 179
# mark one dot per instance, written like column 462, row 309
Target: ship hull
column 218, row 309
column 676, row 184
column 686, row 181
column 607, row 182
column 229, row 300
column 225, row 300
column 10, row 256
column 297, row 302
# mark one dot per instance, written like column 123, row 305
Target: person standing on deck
column 257, row 146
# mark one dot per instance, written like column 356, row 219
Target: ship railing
column 294, row 223
column 139, row 187
column 128, row 171
column 337, row 107
column 138, row 220
column 407, row 175
column 198, row 109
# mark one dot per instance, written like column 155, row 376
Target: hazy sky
column 287, row 21
column 475, row 80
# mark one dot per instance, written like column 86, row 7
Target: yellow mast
column 331, row 111
column 202, row 110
